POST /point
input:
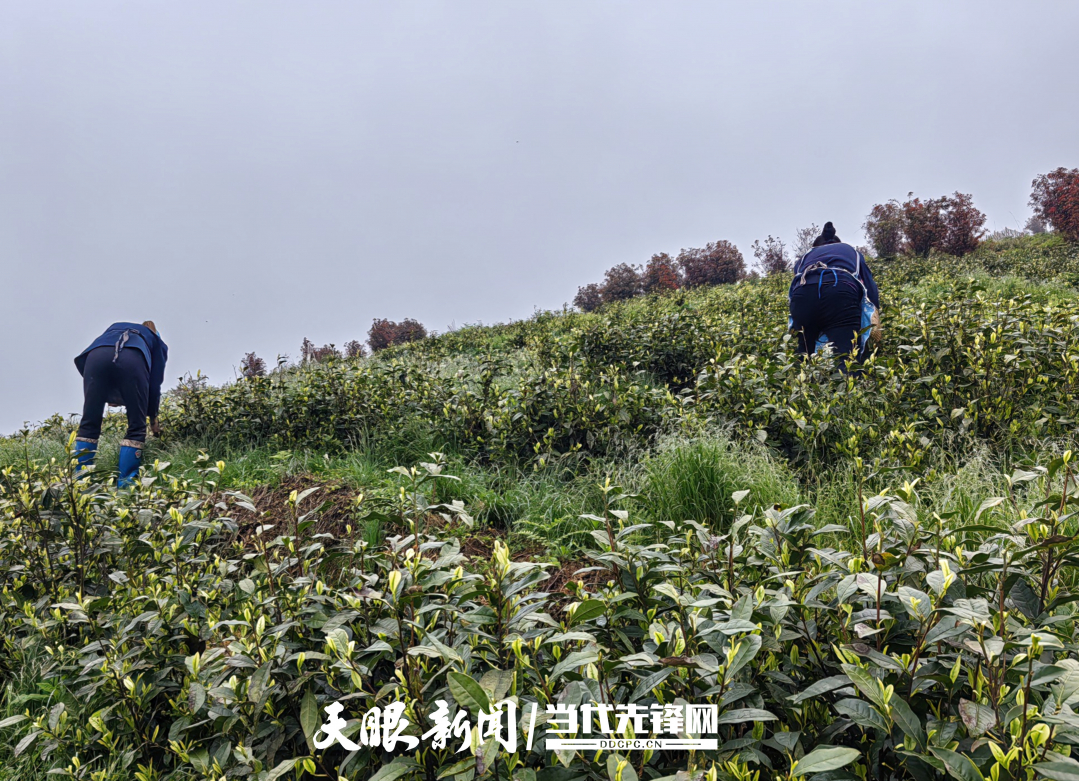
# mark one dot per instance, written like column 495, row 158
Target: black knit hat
column 827, row 236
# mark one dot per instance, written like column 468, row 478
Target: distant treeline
column 950, row 224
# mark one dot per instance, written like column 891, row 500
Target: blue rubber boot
column 85, row 450
column 130, row 461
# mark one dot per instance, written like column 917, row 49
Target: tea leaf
column 824, row 758
column 978, row 718
column 957, row 765
column 468, row 693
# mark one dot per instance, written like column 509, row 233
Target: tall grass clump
column 695, row 479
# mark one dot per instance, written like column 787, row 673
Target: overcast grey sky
column 250, row 173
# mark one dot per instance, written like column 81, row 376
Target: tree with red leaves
column 381, row 334
column 253, row 366
column 717, row 263
column 661, row 274
column 1055, row 199
column 884, row 229
column 924, row 224
column 589, row 298
column 951, row 224
column 964, row 225
column 620, row 283
column 772, row 256
column 385, row 333
column 409, row 330
column 311, row 354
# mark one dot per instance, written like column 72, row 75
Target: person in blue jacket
column 833, row 297
column 125, row 365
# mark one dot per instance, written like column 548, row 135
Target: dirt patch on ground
column 339, row 510
column 272, row 503
column 479, row 546
column 567, row 573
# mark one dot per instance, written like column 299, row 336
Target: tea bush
column 183, row 635
column 963, row 358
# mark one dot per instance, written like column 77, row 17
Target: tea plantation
column 871, row 575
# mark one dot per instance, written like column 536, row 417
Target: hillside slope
column 973, row 355
column 650, row 504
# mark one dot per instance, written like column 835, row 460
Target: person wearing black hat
column 833, row 297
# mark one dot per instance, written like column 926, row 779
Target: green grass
column 694, row 478
column 246, row 469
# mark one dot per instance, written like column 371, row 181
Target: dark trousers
column 109, row 377
column 834, row 309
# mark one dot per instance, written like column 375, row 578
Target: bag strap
column 858, row 273
column 821, row 266
column 120, row 344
